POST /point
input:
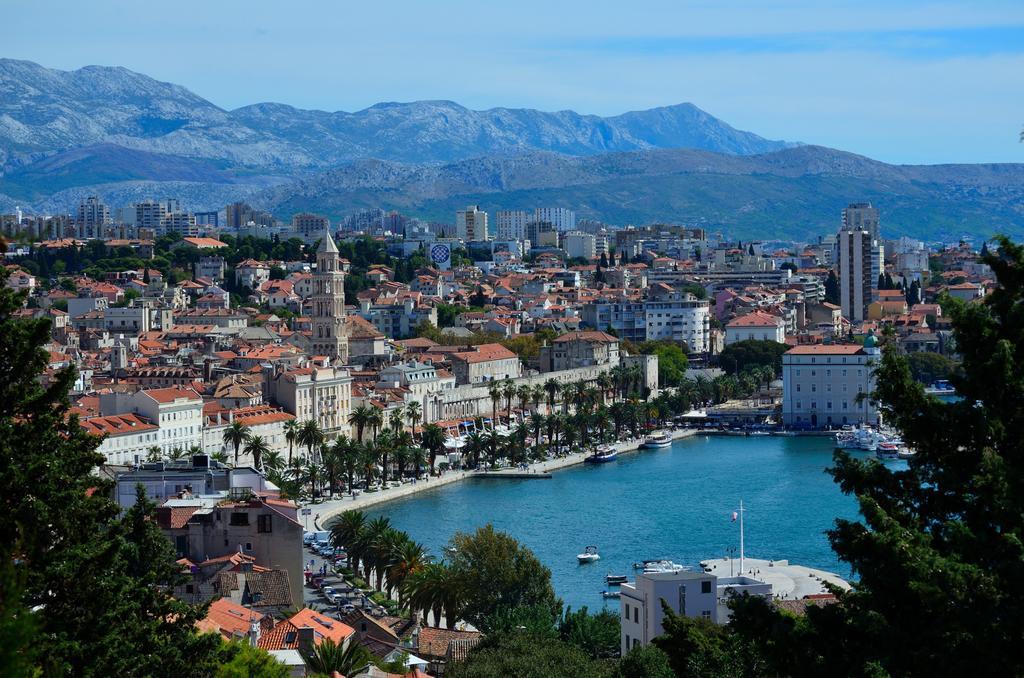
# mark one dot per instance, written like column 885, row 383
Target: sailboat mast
column 741, row 536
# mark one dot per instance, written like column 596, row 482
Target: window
column 705, row 587
column 625, row 610
column 239, row 518
column 636, row 642
column 181, row 544
column 636, row 615
column 627, row 641
column 263, row 523
column 248, row 546
column 706, row 614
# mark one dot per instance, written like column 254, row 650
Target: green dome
column 869, row 341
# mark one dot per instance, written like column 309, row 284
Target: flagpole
column 741, row 537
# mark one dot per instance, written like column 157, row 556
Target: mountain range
column 125, row 136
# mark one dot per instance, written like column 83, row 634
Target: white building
column 690, row 593
column 676, row 316
column 264, row 421
column 578, row 244
column 822, row 384
column 126, row 437
column 313, row 392
column 559, row 217
column 471, row 224
column 511, row 224
column 177, row 411
column 758, row 326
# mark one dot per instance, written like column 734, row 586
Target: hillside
column 793, row 193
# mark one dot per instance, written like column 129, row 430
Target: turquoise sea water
column 673, row 503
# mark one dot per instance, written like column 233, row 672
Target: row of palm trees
column 393, row 563
column 615, row 385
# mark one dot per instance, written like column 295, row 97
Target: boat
column 613, row 579
column 758, row 433
column 611, row 594
column 905, row 453
column 664, row 566
column 940, row 388
column 887, row 449
column 603, row 455
column 589, row 555
column 657, row 440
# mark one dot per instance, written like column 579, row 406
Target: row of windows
column 828, row 405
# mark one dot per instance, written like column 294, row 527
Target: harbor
column 671, row 504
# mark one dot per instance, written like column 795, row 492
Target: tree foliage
column 96, row 584
column 928, row 368
column 498, row 572
column 940, row 548
column 672, row 360
column 525, row 655
column 742, row 355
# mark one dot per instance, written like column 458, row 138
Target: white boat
column 615, row 579
column 657, row 440
column 663, row 566
column 589, row 555
column 611, row 594
column 905, row 453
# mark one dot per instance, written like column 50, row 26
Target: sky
column 904, row 81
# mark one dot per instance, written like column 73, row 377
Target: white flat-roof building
column 689, row 593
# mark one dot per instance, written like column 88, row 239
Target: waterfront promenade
column 325, row 510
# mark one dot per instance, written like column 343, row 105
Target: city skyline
column 823, row 75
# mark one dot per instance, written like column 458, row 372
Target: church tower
column 329, row 337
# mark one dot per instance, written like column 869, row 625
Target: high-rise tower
column 329, row 338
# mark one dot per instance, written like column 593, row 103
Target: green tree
column 328, row 657
column 498, row 572
column 742, row 355
column 832, row 288
column 672, row 360
column 94, row 585
column 523, row 654
column 645, row 662
column 596, row 634
column 700, row 647
column 940, row 549
column 241, row 660
column 236, row 435
column 928, row 368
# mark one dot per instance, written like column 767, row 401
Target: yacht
column 940, row 388
column 657, row 440
column 611, row 594
column 603, row 455
column 887, row 449
column 905, row 453
column 662, row 566
column 589, row 555
column 615, row 579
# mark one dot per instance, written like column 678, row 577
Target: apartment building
column 823, row 385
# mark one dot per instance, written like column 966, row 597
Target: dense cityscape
column 545, row 340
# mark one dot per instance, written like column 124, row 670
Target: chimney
column 307, row 637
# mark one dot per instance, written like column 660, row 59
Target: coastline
column 325, row 511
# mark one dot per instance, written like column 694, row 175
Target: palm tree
column 400, row 441
column 273, row 462
column 494, row 391
column 618, row 413
column 524, row 393
column 605, row 384
column 291, row 434
column 333, row 456
column 373, row 533
column 517, row 450
column 177, row 453
column 350, row 456
column 475, row 444
column 313, row 472
column 552, row 387
column 395, row 420
column 433, row 441
column 410, row 558
column 218, row 456
column 494, row 446
column 346, row 533
column 375, row 421
column 434, row 588
column 402, row 457
column 235, row 435
column 329, row 658
column 154, row 453
column 536, row 397
column 310, row 435
column 418, row 458
column 359, row 418
column 257, row 447
column 385, row 555
column 508, row 390
column 537, row 422
column 413, row 413
column 385, row 446
column 368, row 463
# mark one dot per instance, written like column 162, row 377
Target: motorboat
column 603, row 455
column 657, row 440
column 887, row 449
column 611, row 594
column 589, row 555
column 664, row 566
column 940, row 388
column 758, row 433
column 614, row 579
column 859, row 439
column 905, row 453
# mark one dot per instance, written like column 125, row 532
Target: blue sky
column 909, row 81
